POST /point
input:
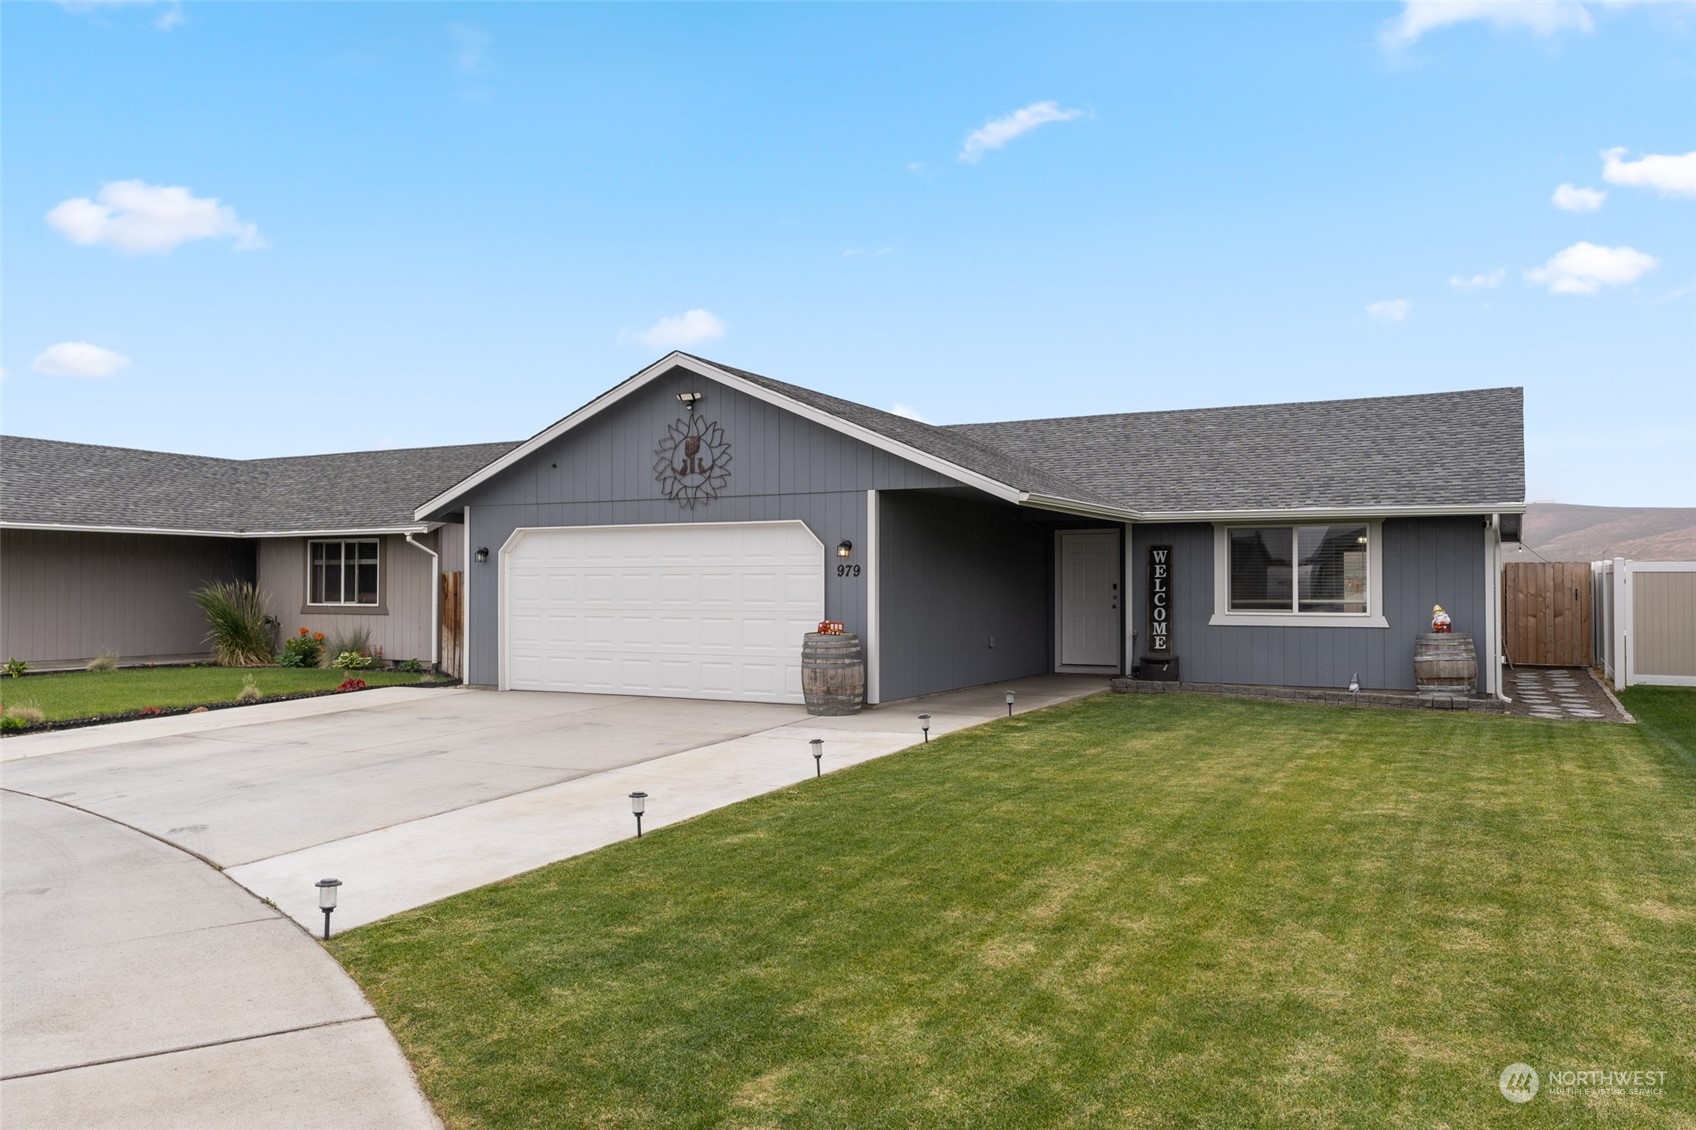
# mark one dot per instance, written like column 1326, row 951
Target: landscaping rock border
column 1325, row 696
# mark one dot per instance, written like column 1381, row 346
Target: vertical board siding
column 69, row 597
column 953, row 574
column 1426, row 561
column 1663, row 613
column 408, row 584
column 1546, row 613
column 783, row 467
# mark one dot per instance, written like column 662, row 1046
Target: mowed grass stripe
column 89, row 694
column 1126, row 911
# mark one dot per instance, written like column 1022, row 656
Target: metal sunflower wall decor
column 692, row 462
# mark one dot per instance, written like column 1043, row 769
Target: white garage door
column 697, row 610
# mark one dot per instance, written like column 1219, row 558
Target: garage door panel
column 713, row 610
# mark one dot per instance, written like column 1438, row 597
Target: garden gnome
column 1440, row 621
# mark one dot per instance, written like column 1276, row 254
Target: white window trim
column 310, row 603
column 1373, row 617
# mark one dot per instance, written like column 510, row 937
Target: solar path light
column 327, row 901
column 818, row 756
column 1009, row 704
column 924, row 724
column 638, row 802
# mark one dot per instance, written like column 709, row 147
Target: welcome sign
column 1159, row 599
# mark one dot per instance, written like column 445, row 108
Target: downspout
column 1493, row 555
column 435, row 601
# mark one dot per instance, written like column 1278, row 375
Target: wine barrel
column 833, row 674
column 1444, row 664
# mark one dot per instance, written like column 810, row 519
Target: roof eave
column 1272, row 513
column 338, row 531
column 679, row 360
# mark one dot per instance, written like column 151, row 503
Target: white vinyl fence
column 1645, row 621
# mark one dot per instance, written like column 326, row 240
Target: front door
column 1090, row 578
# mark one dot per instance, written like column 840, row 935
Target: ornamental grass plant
column 240, row 633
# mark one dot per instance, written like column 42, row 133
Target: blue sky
column 294, row 228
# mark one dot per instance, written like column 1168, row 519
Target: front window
column 1299, row 569
column 341, row 572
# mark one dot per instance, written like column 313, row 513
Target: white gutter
column 1067, row 506
column 435, row 601
column 366, row 531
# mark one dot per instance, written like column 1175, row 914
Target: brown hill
column 1559, row 532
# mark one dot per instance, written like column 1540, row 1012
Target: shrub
column 21, row 717
column 239, row 635
column 353, row 661
column 411, row 666
column 304, row 649
column 351, row 684
column 107, row 660
column 356, row 640
column 16, row 667
column 250, row 691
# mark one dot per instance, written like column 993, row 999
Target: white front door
column 685, row 609
column 1089, row 598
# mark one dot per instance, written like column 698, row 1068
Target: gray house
column 678, row 534
column 101, row 546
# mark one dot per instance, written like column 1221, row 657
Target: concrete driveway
column 142, row 987
column 244, row 792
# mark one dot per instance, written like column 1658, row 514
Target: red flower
column 149, row 711
column 319, row 636
column 351, row 684
column 303, row 631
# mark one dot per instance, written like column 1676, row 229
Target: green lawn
column 1129, row 911
column 84, row 694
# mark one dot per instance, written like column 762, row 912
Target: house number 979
column 847, row 570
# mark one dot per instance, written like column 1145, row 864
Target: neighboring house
column 678, row 535
column 101, row 546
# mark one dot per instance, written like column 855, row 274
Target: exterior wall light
column 1009, row 704
column 844, row 548
column 924, row 724
column 327, row 901
column 687, row 399
column 482, row 555
column 818, row 756
column 638, row 802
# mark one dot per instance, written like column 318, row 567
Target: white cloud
column 1569, row 198
column 678, row 331
column 471, row 47
column 866, row 252
column 1540, row 17
column 998, row 132
column 908, row 411
column 134, row 216
column 172, row 16
column 1478, row 282
column 1673, row 174
column 1585, row 268
column 78, row 359
column 1390, row 310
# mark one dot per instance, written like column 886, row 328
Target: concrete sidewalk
column 410, row 864
column 140, row 988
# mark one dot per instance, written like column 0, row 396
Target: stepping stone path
column 1554, row 693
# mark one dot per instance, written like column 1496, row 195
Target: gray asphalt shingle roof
column 50, row 482
column 1437, row 449
column 1433, row 449
column 998, row 462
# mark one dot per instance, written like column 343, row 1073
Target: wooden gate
column 453, row 621
column 1546, row 613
